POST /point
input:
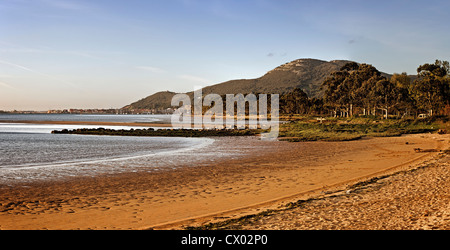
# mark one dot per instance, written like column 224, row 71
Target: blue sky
column 58, row 54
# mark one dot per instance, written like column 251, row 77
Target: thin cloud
column 5, row 85
column 151, row 69
column 38, row 73
column 13, row 48
column 66, row 5
column 20, row 67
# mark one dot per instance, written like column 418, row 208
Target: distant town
column 93, row 111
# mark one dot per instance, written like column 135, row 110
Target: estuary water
column 29, row 151
column 86, row 118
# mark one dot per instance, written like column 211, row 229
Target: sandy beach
column 271, row 176
column 414, row 199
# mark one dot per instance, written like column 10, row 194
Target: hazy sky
column 108, row 53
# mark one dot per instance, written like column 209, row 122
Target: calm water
column 30, row 151
column 90, row 118
column 19, row 150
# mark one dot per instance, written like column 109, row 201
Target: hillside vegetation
column 305, row 74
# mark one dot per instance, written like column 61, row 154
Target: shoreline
column 131, row 124
column 275, row 173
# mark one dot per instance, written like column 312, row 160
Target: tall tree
column 431, row 90
column 332, row 95
column 385, row 94
column 295, row 102
column 349, row 87
column 404, row 89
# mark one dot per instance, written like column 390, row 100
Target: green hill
column 306, row 74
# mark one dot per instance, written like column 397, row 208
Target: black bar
column 233, row 239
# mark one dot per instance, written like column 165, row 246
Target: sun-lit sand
column 278, row 173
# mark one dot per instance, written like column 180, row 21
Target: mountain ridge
column 307, row 74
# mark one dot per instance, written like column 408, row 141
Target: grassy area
column 299, row 129
column 346, row 129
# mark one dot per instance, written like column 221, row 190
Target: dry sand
column 281, row 172
column 416, row 199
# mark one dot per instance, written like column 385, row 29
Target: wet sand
column 275, row 173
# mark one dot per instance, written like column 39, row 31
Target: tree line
column 362, row 89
